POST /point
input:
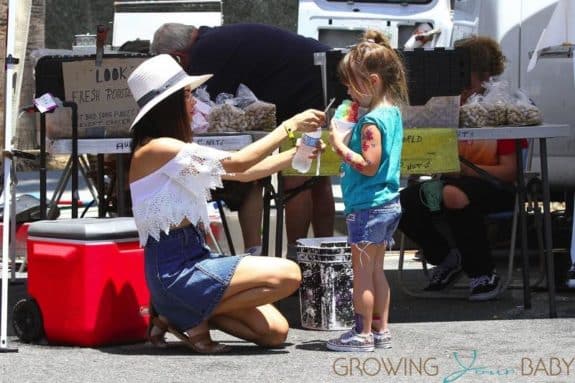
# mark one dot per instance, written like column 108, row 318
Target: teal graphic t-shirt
column 363, row 192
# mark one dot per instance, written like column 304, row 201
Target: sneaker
column 254, row 250
column 382, row 339
column 570, row 281
column 444, row 275
column 418, row 256
column 351, row 341
column 484, row 287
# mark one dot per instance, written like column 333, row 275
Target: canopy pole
column 11, row 63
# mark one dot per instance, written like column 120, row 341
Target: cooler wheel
column 27, row 321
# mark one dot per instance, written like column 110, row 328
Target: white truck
column 137, row 19
column 516, row 24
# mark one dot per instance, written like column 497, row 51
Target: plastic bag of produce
column 495, row 100
column 521, row 111
column 241, row 112
column 473, row 114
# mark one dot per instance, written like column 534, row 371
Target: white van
column 515, row 24
column 138, row 19
column 339, row 23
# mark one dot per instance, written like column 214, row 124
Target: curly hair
column 485, row 54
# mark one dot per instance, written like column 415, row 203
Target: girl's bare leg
column 382, row 292
column 363, row 263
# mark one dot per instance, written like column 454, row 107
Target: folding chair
column 533, row 191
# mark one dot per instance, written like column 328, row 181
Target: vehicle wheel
column 27, row 321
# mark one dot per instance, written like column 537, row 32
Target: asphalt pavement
column 434, row 340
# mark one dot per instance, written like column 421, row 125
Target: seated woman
column 170, row 177
column 460, row 242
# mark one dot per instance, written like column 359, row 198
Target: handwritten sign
column 230, row 142
column 90, row 146
column 225, row 142
column 429, row 150
column 106, row 107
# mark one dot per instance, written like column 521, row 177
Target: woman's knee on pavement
column 454, row 198
column 270, row 326
column 276, row 333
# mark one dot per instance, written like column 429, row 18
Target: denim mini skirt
column 374, row 225
column 186, row 281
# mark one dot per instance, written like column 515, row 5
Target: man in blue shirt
column 278, row 66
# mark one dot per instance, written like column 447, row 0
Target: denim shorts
column 374, row 225
column 186, row 281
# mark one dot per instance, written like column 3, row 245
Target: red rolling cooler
column 86, row 283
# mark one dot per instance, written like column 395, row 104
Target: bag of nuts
column 226, row 118
column 495, row 100
column 260, row 115
column 473, row 114
column 241, row 112
column 522, row 111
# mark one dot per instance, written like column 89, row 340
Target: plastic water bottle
column 301, row 161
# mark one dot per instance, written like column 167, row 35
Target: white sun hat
column 157, row 78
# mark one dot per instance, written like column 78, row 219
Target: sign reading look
column 429, row 150
column 105, row 105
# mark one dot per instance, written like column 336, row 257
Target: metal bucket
column 326, row 290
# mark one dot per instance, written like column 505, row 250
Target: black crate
column 430, row 73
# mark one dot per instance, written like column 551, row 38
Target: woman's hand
column 320, row 148
column 307, row 121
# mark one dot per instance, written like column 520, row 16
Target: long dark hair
column 167, row 119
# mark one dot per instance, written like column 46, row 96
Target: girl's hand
column 336, row 138
column 308, row 121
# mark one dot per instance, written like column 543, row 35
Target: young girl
column 375, row 78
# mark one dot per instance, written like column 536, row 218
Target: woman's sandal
column 199, row 343
column 156, row 335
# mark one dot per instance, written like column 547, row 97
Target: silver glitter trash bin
column 326, row 289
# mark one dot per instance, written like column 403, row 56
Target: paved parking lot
column 434, row 340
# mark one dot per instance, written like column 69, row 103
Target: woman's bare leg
column 245, row 309
column 323, row 207
column 263, row 325
column 258, row 281
column 298, row 210
column 250, row 217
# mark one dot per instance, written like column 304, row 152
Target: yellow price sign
column 425, row 151
column 429, row 150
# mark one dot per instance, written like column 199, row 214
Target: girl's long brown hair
column 374, row 54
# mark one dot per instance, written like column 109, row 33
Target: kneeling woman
column 170, row 177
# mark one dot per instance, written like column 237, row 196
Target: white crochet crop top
column 179, row 189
